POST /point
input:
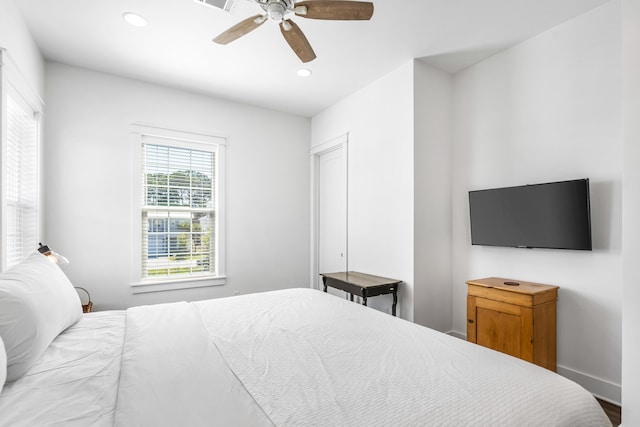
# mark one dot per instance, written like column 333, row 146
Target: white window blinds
column 21, row 181
column 178, row 209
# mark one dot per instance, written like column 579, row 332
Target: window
column 180, row 216
column 20, row 120
column 21, row 177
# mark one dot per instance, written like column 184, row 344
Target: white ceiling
column 175, row 49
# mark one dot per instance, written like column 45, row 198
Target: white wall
column 88, row 171
column 432, row 198
column 631, row 213
column 379, row 120
column 17, row 40
column 549, row 109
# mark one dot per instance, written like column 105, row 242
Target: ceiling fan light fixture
column 134, row 19
column 276, row 11
column 304, row 72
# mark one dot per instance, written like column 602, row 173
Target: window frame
column 182, row 139
column 14, row 83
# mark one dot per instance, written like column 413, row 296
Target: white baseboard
column 600, row 388
column 457, row 335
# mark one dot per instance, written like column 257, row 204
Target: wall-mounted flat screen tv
column 553, row 215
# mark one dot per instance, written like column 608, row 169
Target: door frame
column 340, row 142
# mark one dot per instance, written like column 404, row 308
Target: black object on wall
column 552, row 215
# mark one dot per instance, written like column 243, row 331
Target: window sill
column 176, row 284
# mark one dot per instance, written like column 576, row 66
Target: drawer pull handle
column 470, row 320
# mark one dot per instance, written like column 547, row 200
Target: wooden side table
column 363, row 285
column 514, row 317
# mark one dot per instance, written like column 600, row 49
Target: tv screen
column 552, row 215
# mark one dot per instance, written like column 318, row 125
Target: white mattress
column 296, row 357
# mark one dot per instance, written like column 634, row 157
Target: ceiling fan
column 277, row 10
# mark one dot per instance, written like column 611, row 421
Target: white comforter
column 75, row 382
column 301, row 357
column 173, row 375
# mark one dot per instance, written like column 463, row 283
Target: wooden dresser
column 514, row 317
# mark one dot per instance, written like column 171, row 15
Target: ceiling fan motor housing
column 276, row 9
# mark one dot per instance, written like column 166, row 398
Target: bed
column 295, row 357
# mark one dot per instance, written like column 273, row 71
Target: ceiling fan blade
column 335, row 10
column 240, row 29
column 297, row 40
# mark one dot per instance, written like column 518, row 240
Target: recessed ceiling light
column 134, row 19
column 304, row 72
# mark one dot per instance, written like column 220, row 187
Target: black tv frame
column 588, row 246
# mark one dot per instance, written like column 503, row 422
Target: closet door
column 332, row 210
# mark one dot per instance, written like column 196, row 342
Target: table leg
column 351, row 297
column 324, row 282
column 395, row 301
column 364, row 299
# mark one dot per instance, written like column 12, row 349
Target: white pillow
column 3, row 365
column 37, row 302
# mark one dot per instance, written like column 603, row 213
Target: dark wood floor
column 613, row 412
